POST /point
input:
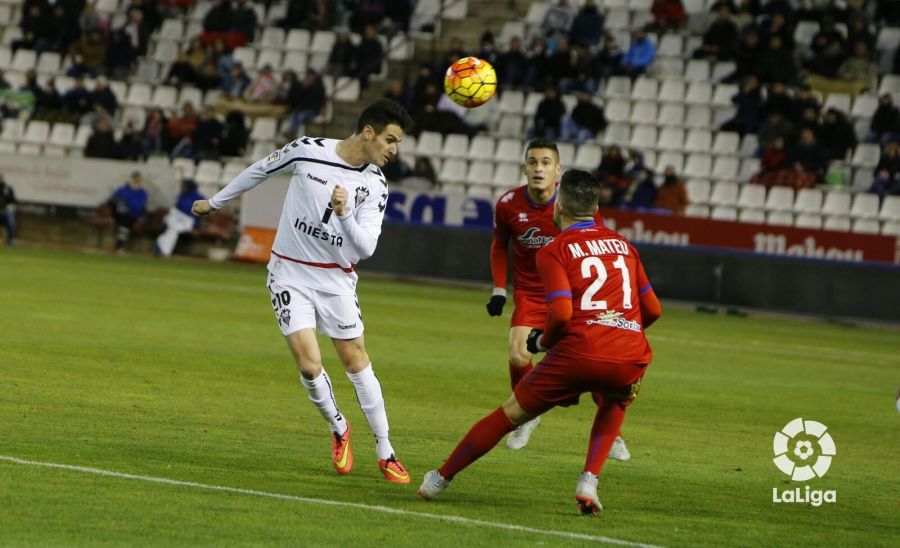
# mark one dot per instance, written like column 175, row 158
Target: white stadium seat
column 808, row 220
column 752, row 216
column 890, row 209
column 809, row 200
column 723, row 213
column 836, row 223
column 698, row 191
column 780, row 218
column 752, row 197
column 780, row 198
column 865, row 206
column 724, row 193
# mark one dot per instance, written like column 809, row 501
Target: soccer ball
column 470, row 82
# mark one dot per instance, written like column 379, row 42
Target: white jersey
column 313, row 246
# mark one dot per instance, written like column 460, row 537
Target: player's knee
column 309, row 370
column 519, row 357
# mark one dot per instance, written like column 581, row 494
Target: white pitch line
column 326, row 502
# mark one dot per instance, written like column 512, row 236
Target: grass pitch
column 177, row 370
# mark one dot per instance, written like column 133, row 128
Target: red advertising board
column 767, row 239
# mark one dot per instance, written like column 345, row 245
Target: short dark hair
column 579, row 193
column 542, row 143
column 381, row 113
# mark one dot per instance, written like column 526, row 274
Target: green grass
column 177, row 370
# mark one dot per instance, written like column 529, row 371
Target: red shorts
column 530, row 310
column 559, row 382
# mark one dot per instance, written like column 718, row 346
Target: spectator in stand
column 342, row 59
column 136, row 32
column 306, row 100
column 322, row 15
column 189, row 63
column 672, row 195
column 8, row 210
column 153, row 135
column 587, row 27
column 399, row 12
column 512, row 65
column 207, row 136
column 809, row 120
column 773, row 127
column 773, row 165
column 777, row 25
column 77, row 101
column 151, row 19
column 640, row 54
column 4, row 83
column 558, row 19
column 104, row 96
column 548, row 117
column 128, row 204
column 33, row 25
column 885, row 123
column 235, row 82
column 456, row 117
column 368, row 56
column 562, row 66
column 180, row 129
column 853, row 76
column 643, row 191
column 890, row 160
column 612, row 173
column 807, row 155
column 398, row 93
column 668, row 15
column 235, row 134
column 608, row 61
column 62, row 29
column 244, row 20
column 775, row 63
column 88, row 55
column 102, row 143
column 365, row 12
column 263, row 88
column 836, row 135
column 778, row 101
column 120, row 55
column 883, row 185
column 721, row 38
column 804, row 100
column 422, row 177
column 130, row 144
column 749, row 108
column 219, row 17
column 48, row 104
column 179, row 219
column 745, row 57
column 90, row 20
column 858, row 31
column 585, row 122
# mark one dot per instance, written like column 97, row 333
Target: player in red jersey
column 523, row 220
column 600, row 302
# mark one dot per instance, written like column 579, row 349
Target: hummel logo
column 318, row 141
column 316, row 179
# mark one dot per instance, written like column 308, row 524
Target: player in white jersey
column 331, row 220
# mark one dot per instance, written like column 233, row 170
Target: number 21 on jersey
column 593, row 268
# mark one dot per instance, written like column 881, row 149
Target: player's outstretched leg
column 619, row 451
column 605, row 430
column 322, row 396
column 433, row 485
column 586, row 495
column 519, row 366
column 368, row 392
column 520, row 436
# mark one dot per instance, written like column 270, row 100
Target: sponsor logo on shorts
column 349, row 326
column 316, row 179
column 803, row 450
column 615, row 319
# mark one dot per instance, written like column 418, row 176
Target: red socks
column 481, row 438
column 607, row 424
column 516, row 373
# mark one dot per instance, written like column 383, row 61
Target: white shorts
column 299, row 307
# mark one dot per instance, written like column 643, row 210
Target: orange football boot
column 341, row 452
column 393, row 471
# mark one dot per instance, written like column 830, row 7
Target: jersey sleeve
column 500, row 248
column 279, row 161
column 363, row 227
column 641, row 279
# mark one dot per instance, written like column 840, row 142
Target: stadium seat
column 645, row 89
column 264, row 129
column 888, row 38
column 698, row 165
column 430, row 144
column 271, row 57
column 780, row 198
column 699, row 116
column 482, row 148
column 511, row 125
column 723, row 213
column 697, row 70
column 865, row 206
column 532, row 100
column 809, row 200
column 749, row 145
column 839, row 101
column 82, row 134
column 836, row 223
column 49, row 63
column 890, row 83
column 322, row 41
column 644, row 112
column 566, row 154
column 890, row 209
column 185, row 168
column 780, row 218
column 669, row 158
column 723, row 94
column 859, row 226
column 698, row 191
column 272, row 37
column 617, row 110
column 665, row 68
column 643, row 137
column 670, row 45
column 619, row 87
column 616, row 134
column 697, row 211
column 752, row 216
column 62, row 134
column 671, row 138
column 13, row 130
column 209, row 172
column 891, row 228
column 726, row 142
column 722, row 69
column 698, row 140
column 749, row 168
column 24, row 60
column 808, row 220
column 805, row 31
column 672, row 91
column 5, row 56
column 231, row 170
column 752, row 197
column 455, row 146
column 837, row 204
column 512, row 101
column 864, row 106
column 164, row 97
column 297, row 40
column 671, row 114
column 699, row 93
column 724, row 193
column 866, row 155
column 297, row 61
column 172, row 29
column 588, row 156
column 507, row 176
column 453, row 171
column 346, row 89
column 139, row 95
column 618, row 19
column 725, row 168
column 509, row 150
column 480, row 174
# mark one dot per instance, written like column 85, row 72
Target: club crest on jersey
column 361, row 194
column 523, row 217
column 531, row 238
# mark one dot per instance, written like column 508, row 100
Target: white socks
column 368, row 392
column 322, row 396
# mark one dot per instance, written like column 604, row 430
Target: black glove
column 533, row 342
column 495, row 305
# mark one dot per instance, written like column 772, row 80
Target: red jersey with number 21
column 602, row 273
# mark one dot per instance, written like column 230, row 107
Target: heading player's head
column 380, row 127
column 541, row 166
column 577, row 199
